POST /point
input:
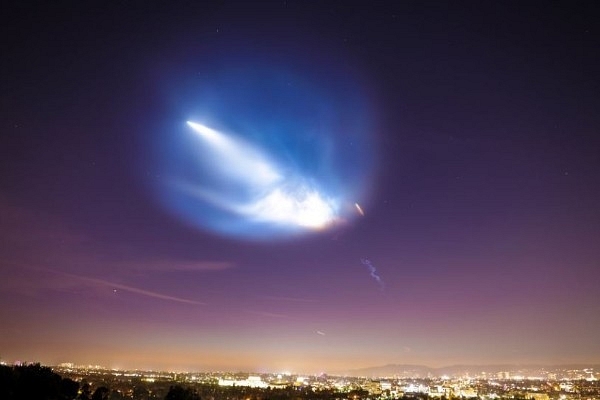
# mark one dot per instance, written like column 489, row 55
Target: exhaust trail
column 373, row 272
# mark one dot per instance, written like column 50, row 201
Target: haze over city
column 300, row 186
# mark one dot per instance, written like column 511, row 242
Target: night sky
column 468, row 133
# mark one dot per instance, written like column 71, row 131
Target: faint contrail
column 367, row 263
column 102, row 283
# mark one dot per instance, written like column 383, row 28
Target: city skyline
column 303, row 187
column 515, row 372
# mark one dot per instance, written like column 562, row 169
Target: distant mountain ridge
column 422, row 371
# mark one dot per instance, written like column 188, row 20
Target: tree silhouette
column 115, row 395
column 140, row 392
column 35, row 382
column 86, row 391
column 179, row 393
column 101, row 393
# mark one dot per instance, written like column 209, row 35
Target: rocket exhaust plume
column 373, row 271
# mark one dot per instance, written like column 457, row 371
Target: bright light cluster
column 272, row 149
